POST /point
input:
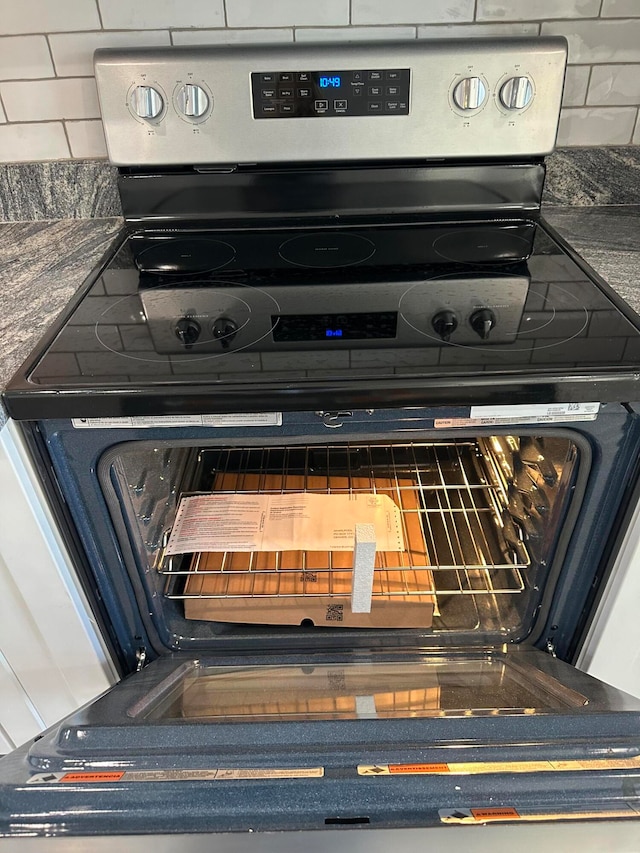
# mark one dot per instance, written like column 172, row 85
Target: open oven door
column 382, row 739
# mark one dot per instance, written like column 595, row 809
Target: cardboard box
column 314, row 587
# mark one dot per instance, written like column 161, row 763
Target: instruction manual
column 283, row 522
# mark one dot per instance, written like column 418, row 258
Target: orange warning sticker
column 496, row 813
column 92, row 777
column 418, row 768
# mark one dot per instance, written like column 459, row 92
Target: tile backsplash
column 48, row 102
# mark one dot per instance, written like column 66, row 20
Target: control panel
column 305, row 94
column 415, row 100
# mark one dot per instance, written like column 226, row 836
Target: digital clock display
column 326, row 81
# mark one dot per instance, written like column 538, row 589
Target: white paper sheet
column 287, row 522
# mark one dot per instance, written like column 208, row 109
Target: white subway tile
column 411, row 11
column 47, row 16
column 599, row 41
column 457, row 31
column 355, row 34
column 86, row 139
column 620, row 9
column 287, row 13
column 39, row 100
column 614, row 85
column 596, row 126
column 270, row 35
column 636, row 135
column 73, row 52
column 21, row 143
column 157, row 14
column 536, row 10
column 575, row 85
column 24, row 57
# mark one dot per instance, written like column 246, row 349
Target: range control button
column 392, row 106
column 375, row 75
column 357, row 76
column 375, row 90
column 304, row 93
column 286, row 108
column 393, row 90
column 340, row 104
column 303, row 77
column 356, row 91
column 285, row 93
column 392, row 75
column 375, row 106
column 321, row 105
column 286, row 77
column 268, row 109
column 268, row 93
column 267, row 78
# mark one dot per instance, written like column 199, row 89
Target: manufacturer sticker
column 535, row 414
column 142, row 422
column 218, row 774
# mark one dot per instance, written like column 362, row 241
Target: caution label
column 401, row 769
column 418, row 768
column 483, row 767
column 509, row 813
column 217, row 774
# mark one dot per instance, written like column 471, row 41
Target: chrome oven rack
column 455, row 494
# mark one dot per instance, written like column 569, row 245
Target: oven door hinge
column 141, row 658
column 550, row 648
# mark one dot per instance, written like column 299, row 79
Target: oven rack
column 454, row 501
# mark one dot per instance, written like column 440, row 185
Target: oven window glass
column 480, row 517
column 362, row 691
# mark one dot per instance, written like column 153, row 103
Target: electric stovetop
column 410, row 313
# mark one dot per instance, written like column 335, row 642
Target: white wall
column 52, row 659
column 48, row 102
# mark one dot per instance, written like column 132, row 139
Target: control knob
column 187, row 331
column 516, row 93
column 470, row 93
column 224, row 330
column 146, row 102
column 482, row 321
column 192, row 100
column 444, row 324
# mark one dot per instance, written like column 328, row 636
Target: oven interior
column 482, row 518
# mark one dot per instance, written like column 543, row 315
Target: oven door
column 382, row 739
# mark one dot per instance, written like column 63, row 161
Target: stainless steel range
column 335, row 305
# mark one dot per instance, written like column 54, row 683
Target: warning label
column 209, row 775
column 400, row 769
column 477, row 768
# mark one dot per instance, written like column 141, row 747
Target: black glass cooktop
column 301, row 318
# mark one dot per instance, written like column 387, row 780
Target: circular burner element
column 330, row 249
column 185, row 255
column 482, row 245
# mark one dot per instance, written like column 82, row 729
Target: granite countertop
column 43, row 263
